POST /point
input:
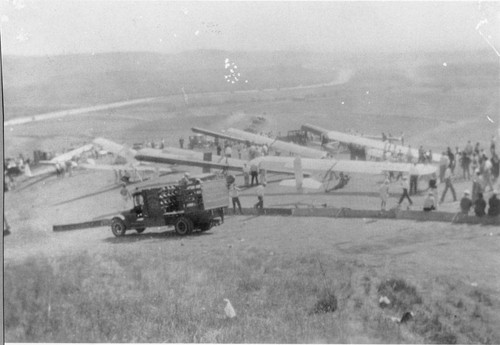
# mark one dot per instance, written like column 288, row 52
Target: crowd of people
column 479, row 165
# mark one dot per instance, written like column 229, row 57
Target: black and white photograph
column 251, row 171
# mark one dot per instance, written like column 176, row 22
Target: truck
column 296, row 136
column 189, row 206
column 200, row 141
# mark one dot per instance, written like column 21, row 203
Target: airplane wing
column 233, row 164
column 277, row 144
column 158, row 156
column 347, row 166
column 217, row 134
column 379, row 146
column 189, row 153
column 306, row 183
column 379, row 138
column 39, row 171
column 68, row 155
column 125, row 167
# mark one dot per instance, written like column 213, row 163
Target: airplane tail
column 117, row 149
column 297, row 168
column 27, row 170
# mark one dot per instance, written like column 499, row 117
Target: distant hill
column 39, row 84
column 34, row 85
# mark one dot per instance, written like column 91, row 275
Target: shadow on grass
column 132, row 236
column 32, row 182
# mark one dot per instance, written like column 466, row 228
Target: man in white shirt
column 449, row 185
column 487, row 174
column 234, row 193
column 405, row 186
column 443, row 164
column 228, row 151
column 413, row 179
column 260, row 196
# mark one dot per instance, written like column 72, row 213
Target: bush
column 327, row 303
column 402, row 295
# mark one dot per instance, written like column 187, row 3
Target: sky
column 51, row 27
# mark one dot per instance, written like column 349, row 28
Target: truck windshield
column 138, row 200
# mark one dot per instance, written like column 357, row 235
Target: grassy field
column 172, row 290
column 286, row 285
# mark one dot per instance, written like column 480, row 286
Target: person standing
column 474, row 162
column 265, row 150
column 125, row 195
column 234, row 193
column 433, row 188
column 494, row 205
column 238, row 147
column 413, row 179
column 443, row 164
column 477, row 185
column 254, row 172
column 260, row 196
column 465, row 162
column 469, row 149
column 495, row 166
column 487, row 174
column 181, row 142
column 405, row 186
column 384, row 194
column 246, row 174
column 69, row 167
column 409, row 155
column 228, row 151
column 477, row 148
column 451, row 157
column 465, row 203
column 185, row 180
column 480, row 206
column 449, row 185
column 263, row 175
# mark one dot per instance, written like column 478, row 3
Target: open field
column 290, row 280
column 158, row 287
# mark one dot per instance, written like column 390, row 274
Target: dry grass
column 140, row 297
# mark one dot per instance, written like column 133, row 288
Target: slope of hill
column 39, row 84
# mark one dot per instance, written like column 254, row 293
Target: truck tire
column 205, row 226
column 118, row 227
column 140, row 231
column 183, row 226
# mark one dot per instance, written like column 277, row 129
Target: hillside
column 40, row 84
column 35, row 85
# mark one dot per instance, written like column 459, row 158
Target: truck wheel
column 183, row 226
column 205, row 226
column 118, row 227
column 140, row 231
